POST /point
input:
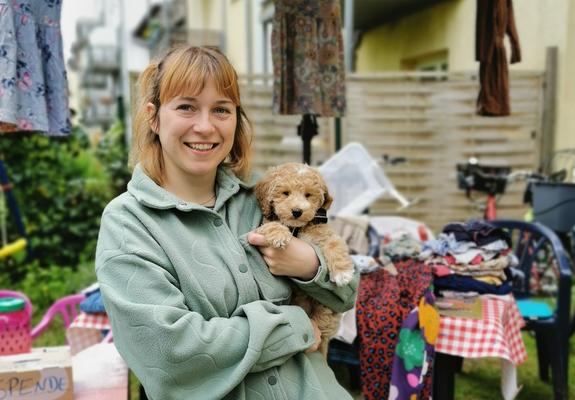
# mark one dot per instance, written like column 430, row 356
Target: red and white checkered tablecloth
column 86, row 330
column 497, row 334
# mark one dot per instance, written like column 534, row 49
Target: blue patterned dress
column 33, row 82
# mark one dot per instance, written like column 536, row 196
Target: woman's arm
column 305, row 264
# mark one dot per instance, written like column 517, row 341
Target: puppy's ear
column 327, row 199
column 261, row 190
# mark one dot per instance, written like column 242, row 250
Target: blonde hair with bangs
column 185, row 69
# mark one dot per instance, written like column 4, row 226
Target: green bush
column 61, row 189
column 44, row 285
column 112, row 153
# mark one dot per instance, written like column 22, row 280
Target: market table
column 85, row 336
column 87, row 330
column 496, row 334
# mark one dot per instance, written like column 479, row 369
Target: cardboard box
column 43, row 374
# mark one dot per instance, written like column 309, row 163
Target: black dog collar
column 320, row 218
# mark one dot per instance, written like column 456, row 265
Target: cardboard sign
column 43, row 374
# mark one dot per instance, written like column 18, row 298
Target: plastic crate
column 554, row 205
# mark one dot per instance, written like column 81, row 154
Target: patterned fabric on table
column 307, row 55
column 383, row 306
column 86, row 330
column 33, row 82
column 415, row 350
column 498, row 334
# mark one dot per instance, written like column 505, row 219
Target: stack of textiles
column 397, row 249
column 474, row 256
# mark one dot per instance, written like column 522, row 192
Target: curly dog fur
column 290, row 196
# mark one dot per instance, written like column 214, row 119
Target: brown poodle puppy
column 294, row 200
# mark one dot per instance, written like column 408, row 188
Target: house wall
column 565, row 137
column 204, row 14
column 236, row 37
column 451, row 26
column 383, row 48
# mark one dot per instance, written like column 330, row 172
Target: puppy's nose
column 296, row 212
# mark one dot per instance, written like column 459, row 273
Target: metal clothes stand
column 307, row 129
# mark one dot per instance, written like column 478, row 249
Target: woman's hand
column 297, row 260
column 317, row 333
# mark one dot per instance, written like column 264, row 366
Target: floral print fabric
column 307, row 54
column 33, row 82
column 397, row 328
column 415, row 351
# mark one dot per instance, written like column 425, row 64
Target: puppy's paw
column 342, row 278
column 280, row 242
column 276, row 234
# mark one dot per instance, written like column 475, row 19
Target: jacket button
column 305, row 337
column 243, row 268
column 272, row 380
column 218, row 222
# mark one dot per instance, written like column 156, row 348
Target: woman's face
column 196, row 133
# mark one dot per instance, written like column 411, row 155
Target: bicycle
column 492, row 181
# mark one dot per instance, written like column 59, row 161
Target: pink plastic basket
column 15, row 337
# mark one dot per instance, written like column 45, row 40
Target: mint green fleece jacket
column 194, row 310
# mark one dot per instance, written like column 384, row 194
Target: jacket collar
column 150, row 194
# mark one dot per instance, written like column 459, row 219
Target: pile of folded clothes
column 473, row 256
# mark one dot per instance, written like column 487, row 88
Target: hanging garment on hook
column 307, row 54
column 495, row 19
column 33, row 82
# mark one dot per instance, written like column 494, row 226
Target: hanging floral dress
column 33, row 82
column 307, row 55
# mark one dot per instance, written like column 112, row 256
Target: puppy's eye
column 285, row 193
column 307, row 195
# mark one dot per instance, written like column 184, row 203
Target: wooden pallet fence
column 428, row 118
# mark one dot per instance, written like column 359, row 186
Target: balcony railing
column 197, row 37
column 99, row 108
column 104, row 58
column 95, row 80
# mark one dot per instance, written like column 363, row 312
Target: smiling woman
column 196, row 134
column 195, row 310
column 175, row 86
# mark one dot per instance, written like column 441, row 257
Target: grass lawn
column 480, row 378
